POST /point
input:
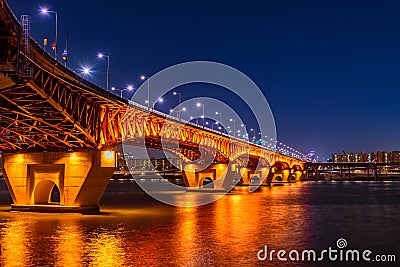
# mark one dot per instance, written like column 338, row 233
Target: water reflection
column 228, row 232
column 105, row 248
column 186, row 234
column 69, row 243
column 15, row 244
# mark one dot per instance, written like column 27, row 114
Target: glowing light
column 130, row 87
column 108, row 155
column 100, row 55
column 86, row 70
column 44, row 10
column 143, row 77
column 198, row 104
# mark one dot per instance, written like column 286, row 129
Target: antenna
column 65, row 53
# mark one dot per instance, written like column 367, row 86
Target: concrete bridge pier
column 80, row 177
column 296, row 174
column 254, row 176
column 216, row 177
column 279, row 175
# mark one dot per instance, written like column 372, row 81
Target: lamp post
column 159, row 100
column 197, row 119
column 212, row 125
column 220, row 115
column 143, row 78
column 129, row 88
column 178, row 111
column 46, row 11
column 101, row 55
column 201, row 105
column 254, row 133
column 180, row 101
column 234, row 126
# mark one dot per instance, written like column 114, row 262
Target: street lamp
column 234, row 125
column 46, row 11
column 129, row 88
column 220, row 115
column 216, row 123
column 180, row 100
column 197, row 119
column 101, row 55
column 254, row 133
column 86, row 70
column 159, row 100
column 201, row 105
column 143, row 78
column 178, row 111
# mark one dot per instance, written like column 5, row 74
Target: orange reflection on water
column 106, row 248
column 69, row 245
column 187, row 235
column 228, row 232
column 14, row 244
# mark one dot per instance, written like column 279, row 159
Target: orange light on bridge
column 108, row 159
column 108, row 154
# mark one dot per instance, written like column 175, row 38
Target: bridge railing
column 186, row 122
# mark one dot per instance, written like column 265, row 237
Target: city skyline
column 332, row 85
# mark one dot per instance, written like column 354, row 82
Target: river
column 135, row 230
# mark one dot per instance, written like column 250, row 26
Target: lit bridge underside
column 45, row 107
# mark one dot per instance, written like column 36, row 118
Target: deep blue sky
column 329, row 68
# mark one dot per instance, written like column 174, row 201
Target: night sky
column 329, row 69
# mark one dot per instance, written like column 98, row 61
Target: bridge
column 351, row 171
column 59, row 130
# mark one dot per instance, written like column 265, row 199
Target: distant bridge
column 350, row 170
column 57, row 129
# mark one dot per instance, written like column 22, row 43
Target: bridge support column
column 296, row 175
column 252, row 177
column 81, row 178
column 279, row 176
column 221, row 175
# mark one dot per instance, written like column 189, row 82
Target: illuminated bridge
column 57, row 129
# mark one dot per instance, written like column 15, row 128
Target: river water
column 135, row 230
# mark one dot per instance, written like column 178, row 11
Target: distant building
column 310, row 157
column 379, row 157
